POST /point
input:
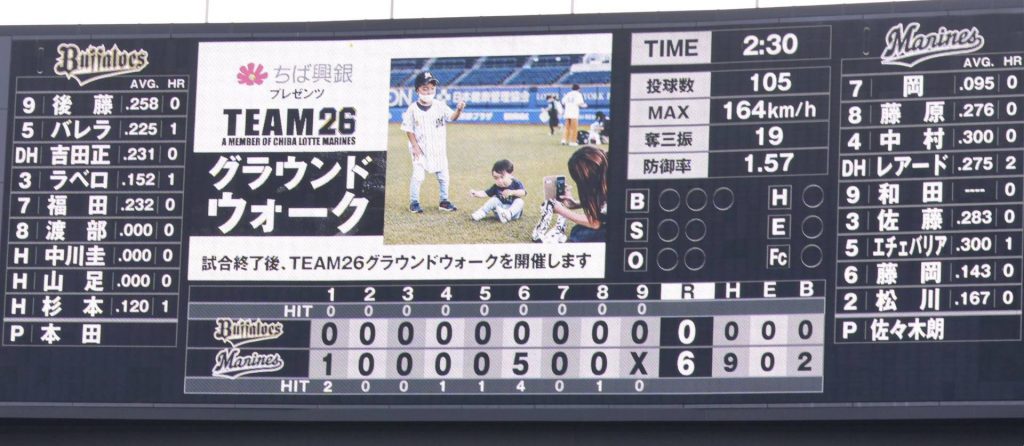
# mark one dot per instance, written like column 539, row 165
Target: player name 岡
column 326, row 121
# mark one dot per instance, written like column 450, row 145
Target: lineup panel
column 811, row 214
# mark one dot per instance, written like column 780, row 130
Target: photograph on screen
column 498, row 149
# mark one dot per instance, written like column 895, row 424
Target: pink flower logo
column 251, row 74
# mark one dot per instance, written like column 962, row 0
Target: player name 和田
column 326, row 121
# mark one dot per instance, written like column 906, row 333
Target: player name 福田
column 324, row 121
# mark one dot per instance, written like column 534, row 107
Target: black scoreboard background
column 811, row 213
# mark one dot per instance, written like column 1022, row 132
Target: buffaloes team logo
column 246, row 331
column 97, row 62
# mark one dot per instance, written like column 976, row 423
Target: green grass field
column 472, row 150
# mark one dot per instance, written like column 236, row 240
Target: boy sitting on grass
column 506, row 195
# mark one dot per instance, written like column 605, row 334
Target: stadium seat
column 588, row 77
column 445, row 77
column 537, row 76
column 486, row 76
column 503, row 62
column 563, row 60
column 406, row 64
column 400, row 77
column 450, row 63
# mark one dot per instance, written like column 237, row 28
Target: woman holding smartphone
column 588, row 168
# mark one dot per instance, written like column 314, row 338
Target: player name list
column 95, row 211
column 929, row 203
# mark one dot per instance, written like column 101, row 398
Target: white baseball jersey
column 429, row 126
column 572, row 101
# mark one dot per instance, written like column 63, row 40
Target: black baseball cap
column 425, row 78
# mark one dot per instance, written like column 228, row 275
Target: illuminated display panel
column 815, row 218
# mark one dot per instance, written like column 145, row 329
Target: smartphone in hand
column 554, row 187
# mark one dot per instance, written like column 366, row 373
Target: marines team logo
column 230, row 363
column 906, row 47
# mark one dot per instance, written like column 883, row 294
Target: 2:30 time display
column 773, row 44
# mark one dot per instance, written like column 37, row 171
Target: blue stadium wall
column 506, row 104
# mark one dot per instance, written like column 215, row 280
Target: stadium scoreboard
column 793, row 218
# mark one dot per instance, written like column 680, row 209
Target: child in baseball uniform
column 425, row 123
column 506, row 195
